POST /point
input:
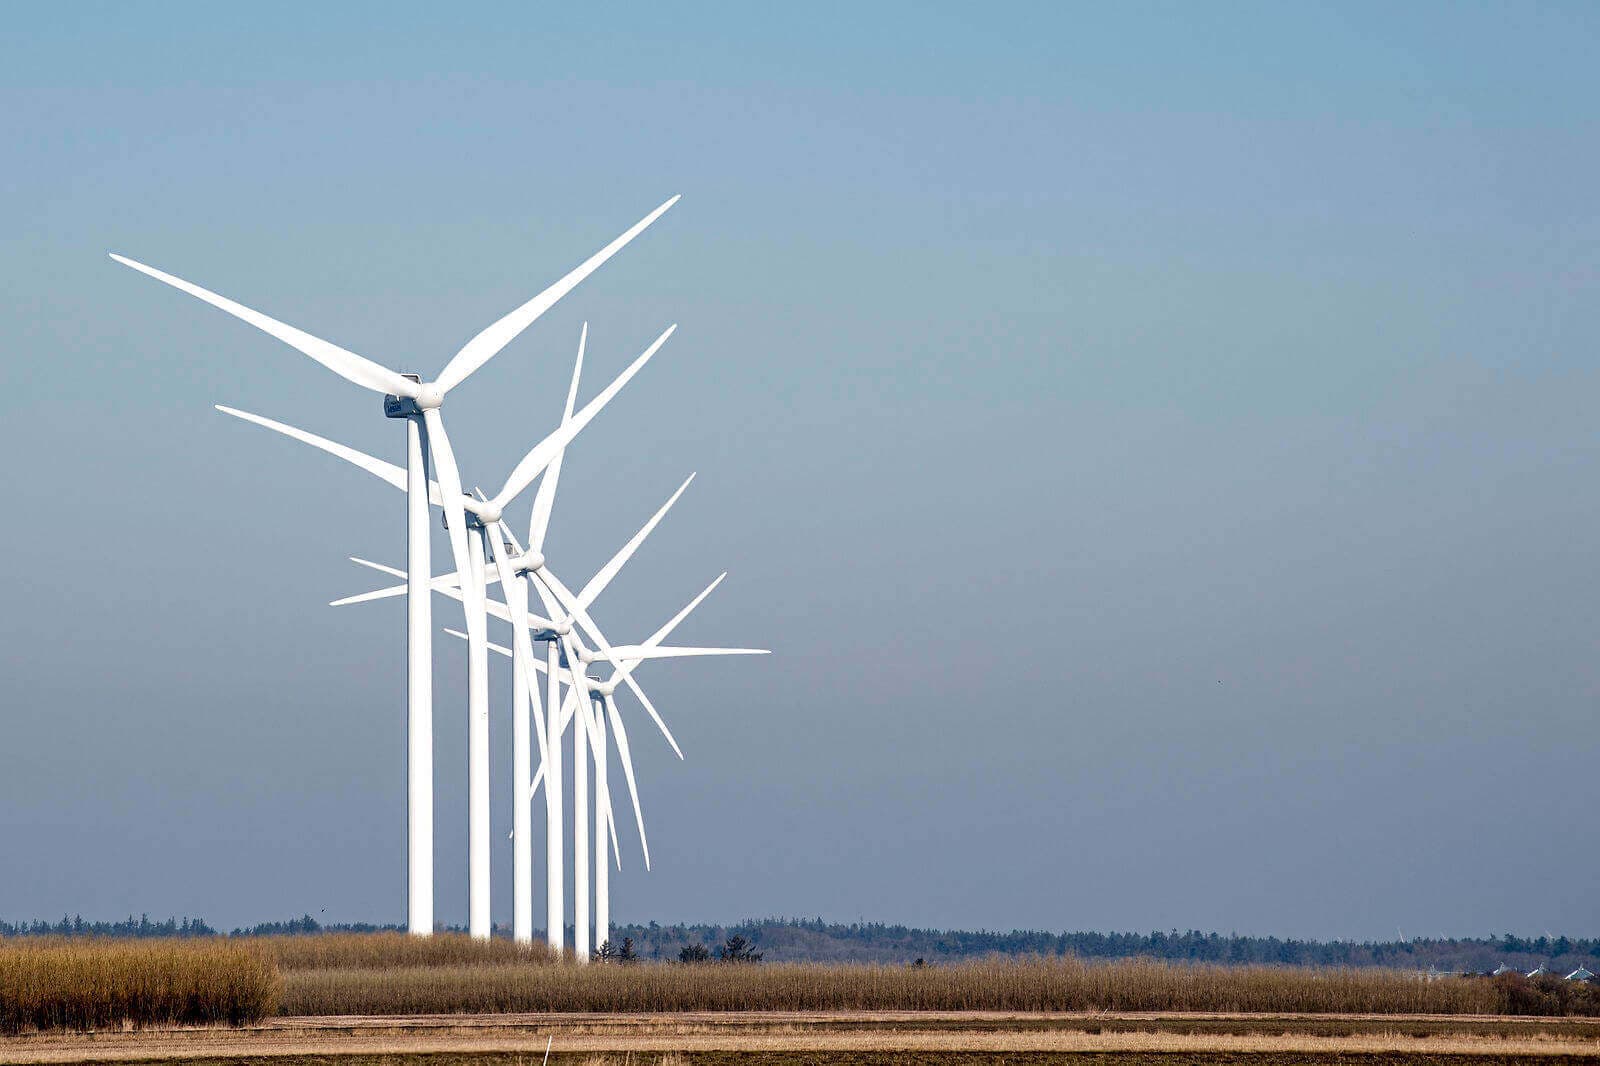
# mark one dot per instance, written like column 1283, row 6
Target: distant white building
column 1582, row 973
column 1504, row 969
column 1539, row 971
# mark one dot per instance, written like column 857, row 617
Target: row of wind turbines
column 486, row 552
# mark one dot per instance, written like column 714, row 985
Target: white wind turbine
column 590, row 730
column 407, row 397
column 575, row 658
column 553, row 594
column 601, row 700
column 525, row 708
column 599, row 709
column 486, row 515
column 525, row 696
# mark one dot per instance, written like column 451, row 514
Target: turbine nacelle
column 402, row 406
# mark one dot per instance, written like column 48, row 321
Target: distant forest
column 814, row 940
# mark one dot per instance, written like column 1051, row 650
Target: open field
column 843, row 1038
column 447, row 1001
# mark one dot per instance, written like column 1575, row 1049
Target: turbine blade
column 511, row 538
column 625, row 670
column 494, row 608
column 544, row 453
column 439, row 584
column 570, row 604
column 661, row 634
column 533, row 790
column 394, row 475
column 551, row 606
column 392, row 592
column 610, row 814
column 598, row 583
column 580, row 693
column 381, row 567
column 611, row 827
column 575, row 610
column 516, row 595
column 569, row 707
column 627, row 771
column 487, row 344
column 498, row 649
column 650, row 709
column 346, row 364
column 545, row 499
column 472, row 602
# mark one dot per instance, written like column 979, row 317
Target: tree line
column 814, row 940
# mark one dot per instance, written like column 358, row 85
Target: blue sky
column 1155, row 440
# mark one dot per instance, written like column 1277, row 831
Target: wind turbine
column 600, row 696
column 552, row 753
column 589, row 727
column 487, row 517
column 407, row 397
column 522, row 783
column 552, row 634
column 590, row 719
column 555, row 863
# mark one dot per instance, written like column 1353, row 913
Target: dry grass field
column 95, row 984
column 449, row 1000
column 387, row 951
column 397, row 975
column 1010, row 986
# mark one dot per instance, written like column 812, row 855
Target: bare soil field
column 772, row 1038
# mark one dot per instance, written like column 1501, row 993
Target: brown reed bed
column 1003, row 985
column 98, row 984
column 94, row 984
column 382, row 951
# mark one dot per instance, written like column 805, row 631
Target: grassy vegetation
column 98, row 984
column 385, row 951
column 56, row 983
column 1036, row 985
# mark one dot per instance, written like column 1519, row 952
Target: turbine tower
column 408, row 397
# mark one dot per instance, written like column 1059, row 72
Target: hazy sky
column 1158, row 441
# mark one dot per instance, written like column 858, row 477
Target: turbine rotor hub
column 430, row 397
column 528, row 562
